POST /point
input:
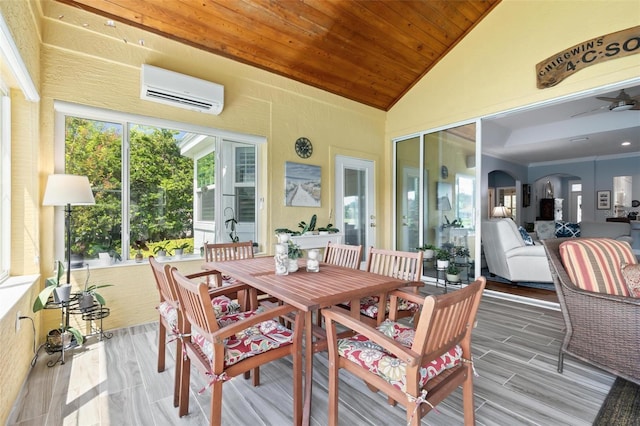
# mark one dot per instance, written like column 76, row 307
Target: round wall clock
column 304, row 149
column 444, row 172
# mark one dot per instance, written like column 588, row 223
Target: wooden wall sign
column 556, row 68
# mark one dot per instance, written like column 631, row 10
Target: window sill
column 95, row 264
column 13, row 289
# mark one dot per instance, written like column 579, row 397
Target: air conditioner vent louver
column 179, row 99
column 171, row 88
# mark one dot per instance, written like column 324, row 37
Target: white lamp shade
column 68, row 189
column 500, row 211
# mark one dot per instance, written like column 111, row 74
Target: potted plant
column 453, row 273
column 61, row 294
column 461, row 254
column 442, row 258
column 180, row 248
column 89, row 293
column 308, row 228
column 329, row 229
column 139, row 245
column 294, row 253
column 429, row 251
column 160, row 249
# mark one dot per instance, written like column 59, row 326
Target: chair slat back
column 195, row 304
column 219, row 252
column 447, row 320
column 403, row 265
column 343, row 255
column 166, row 290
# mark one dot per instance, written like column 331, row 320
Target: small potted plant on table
column 294, row 253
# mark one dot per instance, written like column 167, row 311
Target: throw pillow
column 528, row 241
column 631, row 275
column 593, row 264
column 567, row 230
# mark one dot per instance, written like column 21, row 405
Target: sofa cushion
column 567, row 230
column 528, row 241
column 594, row 264
column 631, row 275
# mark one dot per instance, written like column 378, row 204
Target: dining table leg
column 308, row 367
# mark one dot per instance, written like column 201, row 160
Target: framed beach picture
column 603, row 200
column 301, row 185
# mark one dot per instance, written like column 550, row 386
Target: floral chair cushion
column 362, row 351
column 631, row 275
column 369, row 306
column 222, row 305
column 251, row 341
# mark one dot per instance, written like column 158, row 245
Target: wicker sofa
column 601, row 329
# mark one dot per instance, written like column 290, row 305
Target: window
column 148, row 182
column 465, row 200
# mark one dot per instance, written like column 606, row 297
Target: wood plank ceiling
column 370, row 51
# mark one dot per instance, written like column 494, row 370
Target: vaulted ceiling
column 370, row 51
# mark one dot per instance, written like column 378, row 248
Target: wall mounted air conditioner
column 179, row 90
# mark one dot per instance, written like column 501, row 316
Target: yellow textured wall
column 16, row 348
column 102, row 71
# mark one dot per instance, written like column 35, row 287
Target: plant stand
column 441, row 271
column 93, row 317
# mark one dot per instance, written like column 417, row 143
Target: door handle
column 373, row 225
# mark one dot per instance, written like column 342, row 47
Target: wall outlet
column 18, row 315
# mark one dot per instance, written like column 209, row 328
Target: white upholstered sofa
column 509, row 257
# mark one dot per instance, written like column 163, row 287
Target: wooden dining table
column 309, row 292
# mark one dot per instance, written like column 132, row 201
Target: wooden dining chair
column 221, row 252
column 343, row 255
column 169, row 317
column 222, row 348
column 416, row 367
column 403, row 265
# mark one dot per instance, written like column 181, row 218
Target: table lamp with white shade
column 500, row 211
column 67, row 190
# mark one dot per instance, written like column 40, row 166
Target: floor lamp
column 68, row 190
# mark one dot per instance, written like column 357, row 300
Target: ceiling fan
column 622, row 102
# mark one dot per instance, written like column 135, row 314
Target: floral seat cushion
column 362, row 351
column 222, row 305
column 369, row 306
column 251, row 341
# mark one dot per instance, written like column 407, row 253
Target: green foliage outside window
column 161, row 185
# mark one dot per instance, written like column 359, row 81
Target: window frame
column 5, row 183
column 63, row 109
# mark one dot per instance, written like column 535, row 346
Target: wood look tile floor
column 114, row 382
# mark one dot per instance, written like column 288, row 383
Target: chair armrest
column 402, row 352
column 236, row 327
column 229, row 289
column 411, row 297
column 536, row 251
column 202, row 274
